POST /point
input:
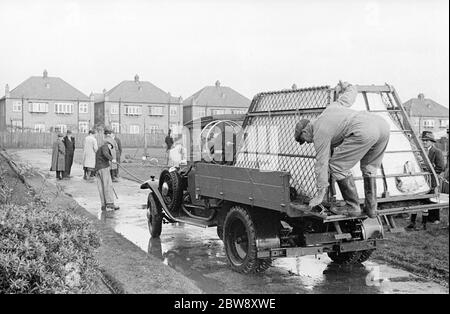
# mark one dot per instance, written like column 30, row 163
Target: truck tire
column 365, row 255
column 154, row 217
column 239, row 234
column 171, row 190
column 346, row 258
column 220, row 232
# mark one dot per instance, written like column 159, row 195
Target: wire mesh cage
column 269, row 134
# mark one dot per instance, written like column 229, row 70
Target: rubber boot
column 85, row 174
column 350, row 195
column 412, row 225
column 370, row 195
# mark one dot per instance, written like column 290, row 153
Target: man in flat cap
column 355, row 136
column 438, row 163
column 103, row 158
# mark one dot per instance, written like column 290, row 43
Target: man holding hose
column 104, row 183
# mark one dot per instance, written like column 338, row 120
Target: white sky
column 251, row 46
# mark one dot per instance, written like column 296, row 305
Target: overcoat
column 58, row 155
column 89, row 150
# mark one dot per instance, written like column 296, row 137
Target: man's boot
column 85, row 174
column 350, row 195
column 370, row 195
column 412, row 225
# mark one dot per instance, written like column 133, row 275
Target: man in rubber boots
column 355, row 136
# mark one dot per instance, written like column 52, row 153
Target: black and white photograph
column 224, row 155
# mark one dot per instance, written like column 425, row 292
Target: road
column 198, row 253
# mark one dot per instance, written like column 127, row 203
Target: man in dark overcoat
column 69, row 143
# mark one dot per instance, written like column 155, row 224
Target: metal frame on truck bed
column 258, row 199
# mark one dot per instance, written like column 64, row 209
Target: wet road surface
column 198, row 253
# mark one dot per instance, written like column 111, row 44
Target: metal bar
column 417, row 174
column 277, row 154
column 391, row 110
column 402, row 151
column 366, row 101
column 373, row 88
column 402, row 131
column 285, row 112
column 390, row 211
column 405, row 198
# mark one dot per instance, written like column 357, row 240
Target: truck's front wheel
column 154, row 217
column 240, row 242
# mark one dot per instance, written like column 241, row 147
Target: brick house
column 132, row 106
column 427, row 115
column 212, row 100
column 45, row 104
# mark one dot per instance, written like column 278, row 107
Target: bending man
column 355, row 136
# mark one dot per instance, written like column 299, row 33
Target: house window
column 39, row 127
column 83, row 126
column 173, row 110
column 115, row 127
column 156, row 110
column 133, row 110
column 153, row 128
column 443, row 123
column 83, row 107
column 64, row 108
column 17, row 106
column 38, row 107
column 114, row 109
column 199, row 112
column 134, row 129
column 61, row 128
column 237, row 111
column 428, row 123
column 217, row 111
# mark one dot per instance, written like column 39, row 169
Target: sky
column 251, row 46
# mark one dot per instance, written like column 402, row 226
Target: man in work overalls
column 355, row 136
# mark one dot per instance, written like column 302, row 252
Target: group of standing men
column 102, row 162
column 62, row 155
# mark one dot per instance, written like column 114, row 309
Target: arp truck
column 253, row 182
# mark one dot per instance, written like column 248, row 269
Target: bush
column 45, row 250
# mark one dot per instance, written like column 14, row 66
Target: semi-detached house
column 136, row 107
column 46, row 104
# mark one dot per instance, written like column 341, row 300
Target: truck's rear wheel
column 365, row 255
column 346, row 258
column 154, row 217
column 240, row 242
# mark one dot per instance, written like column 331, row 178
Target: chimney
column 421, row 96
column 217, row 83
column 45, row 74
column 104, row 91
column 294, row 86
column 91, row 97
column 7, row 94
column 136, row 78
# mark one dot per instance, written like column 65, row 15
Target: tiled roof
column 424, row 107
column 47, row 88
column 139, row 91
column 217, row 96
